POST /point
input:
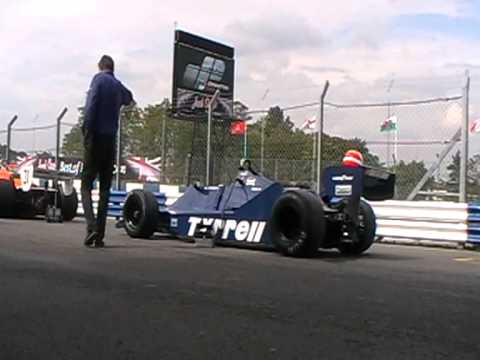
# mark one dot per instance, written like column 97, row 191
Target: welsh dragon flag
column 390, row 124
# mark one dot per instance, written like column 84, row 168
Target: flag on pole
column 475, row 127
column 390, row 124
column 238, row 127
column 310, row 124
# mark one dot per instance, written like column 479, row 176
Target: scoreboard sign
column 201, row 67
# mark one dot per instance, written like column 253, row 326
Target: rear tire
column 69, row 205
column 7, row 199
column 298, row 223
column 365, row 232
column 140, row 214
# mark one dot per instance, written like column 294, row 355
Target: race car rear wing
column 369, row 183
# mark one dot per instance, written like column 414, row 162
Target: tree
column 407, row 177
column 72, row 144
column 454, row 169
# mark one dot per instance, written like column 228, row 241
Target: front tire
column 69, row 205
column 140, row 214
column 298, row 223
column 365, row 232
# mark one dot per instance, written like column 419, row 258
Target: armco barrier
column 422, row 220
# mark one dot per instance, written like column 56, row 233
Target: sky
column 49, row 50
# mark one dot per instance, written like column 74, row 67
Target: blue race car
column 256, row 212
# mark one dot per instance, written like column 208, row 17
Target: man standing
column 104, row 100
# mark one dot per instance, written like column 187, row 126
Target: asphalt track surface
column 166, row 299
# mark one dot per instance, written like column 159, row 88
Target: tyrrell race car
column 26, row 192
column 256, row 212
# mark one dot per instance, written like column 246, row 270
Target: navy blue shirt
column 104, row 100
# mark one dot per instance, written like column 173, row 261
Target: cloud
column 324, row 69
column 275, row 34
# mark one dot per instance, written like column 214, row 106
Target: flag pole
column 245, row 142
column 395, row 148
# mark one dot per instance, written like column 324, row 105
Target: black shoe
column 91, row 238
column 99, row 242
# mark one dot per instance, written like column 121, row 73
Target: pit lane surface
column 164, row 299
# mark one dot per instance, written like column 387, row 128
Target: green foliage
column 73, row 140
column 407, row 177
column 454, row 168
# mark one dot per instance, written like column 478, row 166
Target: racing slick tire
column 365, row 232
column 69, row 205
column 7, row 199
column 140, row 214
column 298, row 223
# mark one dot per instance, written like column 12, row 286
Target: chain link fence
column 31, row 140
column 406, row 138
column 424, row 134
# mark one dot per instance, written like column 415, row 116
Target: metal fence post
column 209, row 134
column 319, row 136
column 464, row 146
column 9, row 138
column 57, row 148
column 164, row 147
column 164, row 139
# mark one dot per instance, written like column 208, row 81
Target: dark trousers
column 99, row 154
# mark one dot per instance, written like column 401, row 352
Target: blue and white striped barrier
column 117, row 200
column 166, row 195
column 474, row 223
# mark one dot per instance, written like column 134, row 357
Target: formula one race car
column 255, row 212
column 20, row 197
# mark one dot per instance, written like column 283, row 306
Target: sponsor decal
column 26, row 175
column 251, row 181
column 343, row 190
column 243, row 230
column 342, row 178
column 173, row 222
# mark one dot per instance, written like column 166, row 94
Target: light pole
column 319, row 136
column 57, row 145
